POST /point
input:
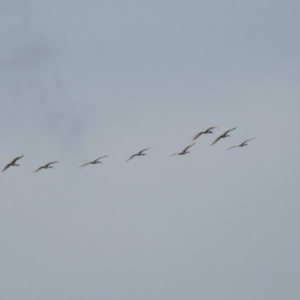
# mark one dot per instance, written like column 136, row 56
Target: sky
column 82, row 79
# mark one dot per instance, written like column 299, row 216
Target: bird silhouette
column 223, row 135
column 243, row 144
column 12, row 163
column 94, row 162
column 140, row 153
column 208, row 130
column 46, row 166
column 184, row 151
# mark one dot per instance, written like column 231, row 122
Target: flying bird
column 140, row 153
column 12, row 163
column 242, row 144
column 208, row 130
column 46, row 166
column 94, row 162
column 184, row 151
column 224, row 135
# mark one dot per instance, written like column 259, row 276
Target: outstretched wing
column 15, row 159
column 103, row 156
column 205, row 131
column 50, row 163
column 173, row 154
column 140, row 152
column 222, row 135
column 216, row 139
column 228, row 131
column 210, row 128
column 187, row 147
column 38, row 169
column 6, row 167
column 243, row 143
column 99, row 158
column 132, row 156
column 232, row 147
column 84, row 165
column 197, row 135
column 11, row 163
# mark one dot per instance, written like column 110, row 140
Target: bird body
column 46, row 166
column 94, row 162
column 140, row 153
column 184, row 151
column 208, row 130
column 223, row 135
column 243, row 144
column 12, row 163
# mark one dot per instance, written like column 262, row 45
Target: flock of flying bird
column 141, row 153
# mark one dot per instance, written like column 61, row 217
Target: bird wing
column 140, row 152
column 247, row 141
column 197, row 135
column 84, row 165
column 228, row 131
column 103, row 156
column 38, row 169
column 187, row 147
column 216, row 139
column 6, row 167
column 241, row 144
column 205, row 131
column 222, row 135
column 11, row 163
column 100, row 158
column 210, row 128
column 173, row 154
column 132, row 156
column 50, row 163
column 232, row 147
column 15, row 159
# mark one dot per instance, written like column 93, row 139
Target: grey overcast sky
column 81, row 79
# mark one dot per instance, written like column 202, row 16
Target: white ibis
column 184, row 151
column 243, row 144
column 94, row 162
column 208, row 130
column 12, row 163
column 223, row 135
column 46, row 166
column 140, row 153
